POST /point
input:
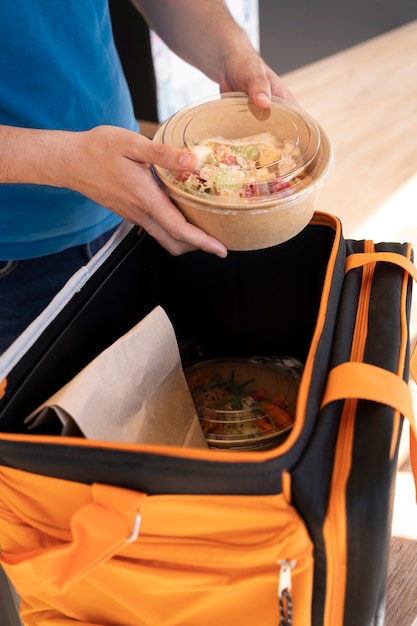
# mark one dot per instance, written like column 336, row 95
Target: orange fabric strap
column 402, row 395
column 362, row 258
column 369, row 382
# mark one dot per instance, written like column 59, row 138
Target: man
column 72, row 164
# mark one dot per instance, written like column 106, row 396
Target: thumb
column 171, row 158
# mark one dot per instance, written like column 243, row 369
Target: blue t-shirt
column 59, row 69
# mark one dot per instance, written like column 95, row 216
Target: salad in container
column 259, row 171
column 243, row 404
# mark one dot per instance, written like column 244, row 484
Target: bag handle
column 100, row 529
column 370, row 382
column 358, row 260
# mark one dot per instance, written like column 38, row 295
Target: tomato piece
column 182, row 177
column 251, row 190
column 229, row 159
column 278, row 184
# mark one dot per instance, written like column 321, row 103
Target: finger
column 161, row 219
column 258, row 80
column 259, row 91
column 172, row 158
column 280, row 89
column 169, row 157
column 263, row 86
column 180, row 236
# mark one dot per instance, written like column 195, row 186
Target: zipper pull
column 284, row 591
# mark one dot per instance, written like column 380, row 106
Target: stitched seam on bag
column 402, row 353
column 335, row 531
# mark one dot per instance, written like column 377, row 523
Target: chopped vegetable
column 248, row 167
column 226, row 406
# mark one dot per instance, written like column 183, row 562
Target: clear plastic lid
column 241, row 401
column 243, row 151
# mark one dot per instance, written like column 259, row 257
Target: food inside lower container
column 243, row 404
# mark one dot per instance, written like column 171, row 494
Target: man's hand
column 206, row 35
column 113, row 169
column 109, row 165
column 248, row 73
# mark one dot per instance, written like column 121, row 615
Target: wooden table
column 366, row 99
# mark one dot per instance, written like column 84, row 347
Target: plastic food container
column 242, row 405
column 259, row 173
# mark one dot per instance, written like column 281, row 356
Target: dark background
column 294, row 33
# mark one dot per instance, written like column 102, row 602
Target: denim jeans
column 27, row 287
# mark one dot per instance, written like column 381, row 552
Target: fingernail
column 187, row 161
column 263, row 99
column 221, row 252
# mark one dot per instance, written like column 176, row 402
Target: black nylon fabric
column 369, row 496
column 370, row 490
column 245, row 305
column 312, row 475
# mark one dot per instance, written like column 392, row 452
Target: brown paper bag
column 135, row 392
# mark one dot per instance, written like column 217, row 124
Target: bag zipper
column 335, row 527
column 284, row 592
